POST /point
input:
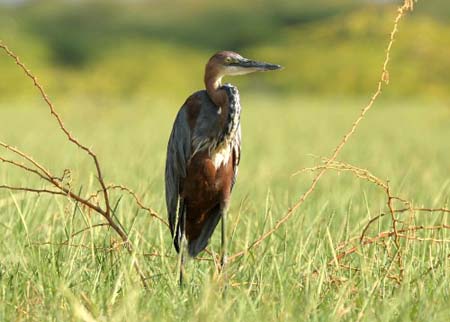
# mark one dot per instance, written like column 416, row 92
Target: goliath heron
column 203, row 156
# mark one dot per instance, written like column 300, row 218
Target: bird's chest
column 209, row 176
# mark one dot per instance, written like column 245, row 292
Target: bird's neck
column 213, row 83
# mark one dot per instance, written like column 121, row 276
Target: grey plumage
column 178, row 154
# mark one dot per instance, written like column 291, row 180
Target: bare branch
column 69, row 136
column 382, row 81
column 152, row 212
column 38, row 191
column 387, row 234
column 423, row 210
column 58, row 183
column 24, row 167
column 26, row 157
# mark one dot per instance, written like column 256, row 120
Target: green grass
column 287, row 277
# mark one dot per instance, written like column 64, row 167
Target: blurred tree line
column 158, row 48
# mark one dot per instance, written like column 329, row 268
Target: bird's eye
column 228, row 60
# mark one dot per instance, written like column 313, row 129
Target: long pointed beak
column 256, row 65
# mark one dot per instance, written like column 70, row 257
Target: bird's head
column 228, row 63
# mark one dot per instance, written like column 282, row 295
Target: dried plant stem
column 56, row 182
column 383, row 80
column 31, row 190
column 387, row 234
column 396, row 233
column 69, row 135
column 138, row 201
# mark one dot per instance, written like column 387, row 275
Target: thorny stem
column 407, row 5
column 396, row 233
column 47, row 176
column 61, row 124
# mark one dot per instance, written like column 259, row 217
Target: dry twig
column 407, row 5
column 57, row 183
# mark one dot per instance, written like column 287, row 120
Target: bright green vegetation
column 287, row 277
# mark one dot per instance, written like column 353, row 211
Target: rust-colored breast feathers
column 205, row 188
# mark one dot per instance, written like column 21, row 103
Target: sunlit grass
column 287, row 277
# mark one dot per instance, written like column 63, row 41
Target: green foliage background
column 157, row 49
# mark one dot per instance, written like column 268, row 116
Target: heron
column 203, row 155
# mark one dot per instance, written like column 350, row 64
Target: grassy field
column 58, row 264
column 287, row 277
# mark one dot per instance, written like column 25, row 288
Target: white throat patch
column 221, row 155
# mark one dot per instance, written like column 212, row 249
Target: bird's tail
column 197, row 245
column 181, row 225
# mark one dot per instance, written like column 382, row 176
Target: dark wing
column 178, row 154
column 236, row 154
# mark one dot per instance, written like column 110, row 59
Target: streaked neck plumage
column 226, row 99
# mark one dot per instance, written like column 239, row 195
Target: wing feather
column 178, row 154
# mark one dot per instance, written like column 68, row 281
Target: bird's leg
column 182, row 261
column 183, row 246
column 223, row 259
